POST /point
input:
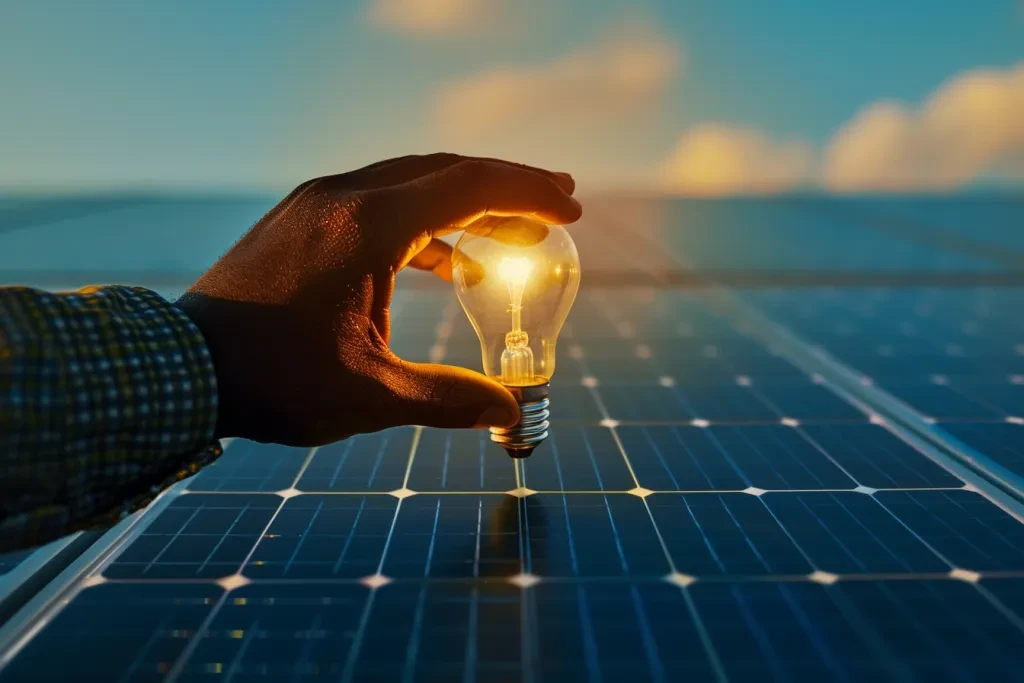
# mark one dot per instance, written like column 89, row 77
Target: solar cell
column 709, row 402
column 961, row 527
column 458, row 461
column 581, row 459
column 805, row 400
column 201, row 535
column 370, row 462
column 864, row 630
column 310, row 628
column 314, row 536
column 115, row 632
column 251, row 466
column 875, row 458
column 729, row 457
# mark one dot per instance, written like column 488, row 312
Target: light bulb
column 517, row 279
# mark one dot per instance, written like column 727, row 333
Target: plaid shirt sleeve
column 107, row 396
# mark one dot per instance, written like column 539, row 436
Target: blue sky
column 114, row 93
column 802, row 68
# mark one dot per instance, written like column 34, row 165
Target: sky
column 704, row 97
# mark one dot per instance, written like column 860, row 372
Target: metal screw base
column 532, row 428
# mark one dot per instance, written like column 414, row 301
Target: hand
column 296, row 313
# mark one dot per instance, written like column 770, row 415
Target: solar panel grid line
column 875, row 642
column 349, row 671
column 990, row 470
column 1008, row 613
column 1015, row 513
column 741, row 379
column 864, row 409
column 707, row 644
column 437, row 355
column 482, row 441
column 725, row 362
column 709, row 648
column 597, row 492
column 228, row 584
column 847, row 383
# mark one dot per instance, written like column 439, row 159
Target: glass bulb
column 517, row 279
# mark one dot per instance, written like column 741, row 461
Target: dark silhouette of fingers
column 564, row 180
column 410, row 167
column 450, row 200
column 406, row 169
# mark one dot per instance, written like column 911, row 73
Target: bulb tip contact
column 519, row 452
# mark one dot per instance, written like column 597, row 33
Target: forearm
column 107, row 395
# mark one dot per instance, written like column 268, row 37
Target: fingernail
column 497, row 416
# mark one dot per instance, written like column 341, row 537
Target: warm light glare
column 515, row 271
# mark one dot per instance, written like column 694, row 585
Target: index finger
column 453, row 198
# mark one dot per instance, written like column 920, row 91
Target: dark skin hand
column 296, row 314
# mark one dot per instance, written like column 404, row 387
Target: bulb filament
column 517, row 358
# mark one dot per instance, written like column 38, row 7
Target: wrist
column 196, row 309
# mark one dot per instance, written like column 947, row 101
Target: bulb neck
column 532, row 428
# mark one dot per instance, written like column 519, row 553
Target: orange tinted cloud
column 719, row 159
column 603, row 83
column 971, row 126
column 435, row 18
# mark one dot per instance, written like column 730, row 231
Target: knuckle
column 442, row 157
column 471, row 169
column 315, row 191
column 312, row 182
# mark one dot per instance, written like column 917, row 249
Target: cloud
column 972, row 126
column 607, row 82
column 719, row 159
column 436, row 18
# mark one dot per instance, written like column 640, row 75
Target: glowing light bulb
column 517, row 279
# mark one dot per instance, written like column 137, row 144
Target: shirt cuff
column 113, row 397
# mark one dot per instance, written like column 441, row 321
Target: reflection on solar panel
column 722, row 498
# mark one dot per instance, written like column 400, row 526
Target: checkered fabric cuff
column 107, row 396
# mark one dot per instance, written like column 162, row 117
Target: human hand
column 296, row 314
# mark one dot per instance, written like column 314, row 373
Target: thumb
column 433, row 395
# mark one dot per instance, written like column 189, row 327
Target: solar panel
column 721, row 498
column 9, row 561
